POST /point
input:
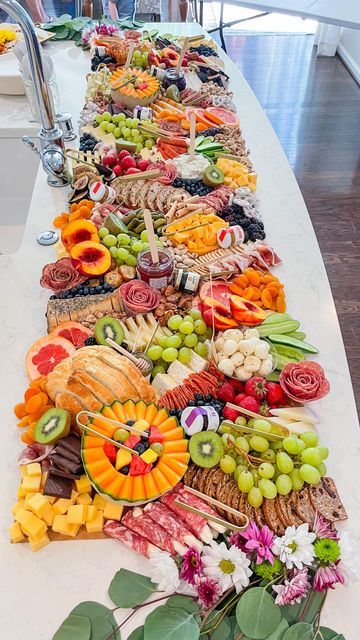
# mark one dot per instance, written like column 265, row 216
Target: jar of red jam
column 157, row 274
column 173, row 77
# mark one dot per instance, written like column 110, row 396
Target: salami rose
column 169, row 172
column 139, row 297
column 304, row 381
column 60, row 276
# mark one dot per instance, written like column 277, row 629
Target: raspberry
column 226, row 392
column 230, row 414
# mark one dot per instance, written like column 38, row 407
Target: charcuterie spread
column 169, row 402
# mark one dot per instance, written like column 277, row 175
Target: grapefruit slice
column 217, row 290
column 223, row 115
column 75, row 332
column 45, row 354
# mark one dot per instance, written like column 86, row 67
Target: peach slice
column 79, row 231
column 215, row 314
column 91, row 258
column 246, row 312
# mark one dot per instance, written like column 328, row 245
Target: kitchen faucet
column 51, row 150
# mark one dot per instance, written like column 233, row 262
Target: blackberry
column 203, row 50
column 52, row 298
column 210, row 132
column 90, row 341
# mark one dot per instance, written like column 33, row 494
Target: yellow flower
column 7, row 36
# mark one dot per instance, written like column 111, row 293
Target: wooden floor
column 314, row 106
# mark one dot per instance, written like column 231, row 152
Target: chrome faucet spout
column 50, row 135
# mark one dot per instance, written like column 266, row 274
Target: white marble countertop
column 39, row 589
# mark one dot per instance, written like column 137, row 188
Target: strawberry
column 239, row 398
column 249, row 403
column 237, row 386
column 275, row 393
column 230, row 414
column 226, row 392
column 264, row 409
column 256, row 387
column 110, row 451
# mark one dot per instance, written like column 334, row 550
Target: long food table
column 39, row 589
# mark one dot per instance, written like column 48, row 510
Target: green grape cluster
column 140, row 59
column 286, row 464
column 186, row 335
column 124, row 248
column 124, row 127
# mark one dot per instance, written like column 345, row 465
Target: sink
column 18, row 169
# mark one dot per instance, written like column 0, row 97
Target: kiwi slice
column 173, row 93
column 213, row 176
column 53, row 425
column 108, row 327
column 206, row 448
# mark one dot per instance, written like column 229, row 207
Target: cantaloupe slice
column 168, row 425
column 126, row 489
column 151, row 490
column 160, row 480
column 140, row 410
column 175, row 446
column 129, row 408
column 169, row 474
column 119, row 411
column 170, row 461
column 138, row 489
column 98, row 467
column 180, row 457
column 92, row 441
column 108, row 412
column 114, row 488
column 92, row 454
column 106, row 477
column 160, row 417
column 151, row 412
column 174, row 434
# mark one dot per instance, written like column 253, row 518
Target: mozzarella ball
column 226, row 367
column 219, row 343
column 247, row 347
column 251, row 333
column 230, row 347
column 251, row 363
column 233, row 334
column 242, row 374
column 261, row 350
column 266, row 366
column 237, row 359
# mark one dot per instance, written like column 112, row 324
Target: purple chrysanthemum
column 192, row 566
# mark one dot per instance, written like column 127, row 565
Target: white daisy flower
column 349, row 556
column 163, row 571
column 229, row 566
column 295, row 548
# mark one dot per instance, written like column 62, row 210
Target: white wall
column 349, row 50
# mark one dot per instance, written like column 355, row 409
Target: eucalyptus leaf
column 94, row 610
column 222, row 631
column 182, row 602
column 329, row 634
column 299, row 631
column 307, row 610
column 60, row 21
column 127, row 589
column 61, row 34
column 137, row 634
column 171, row 624
column 74, row 627
column 127, row 25
column 211, row 620
column 235, row 629
column 138, row 23
column 71, row 34
column 101, row 629
column 256, row 613
column 80, row 23
column 278, row 634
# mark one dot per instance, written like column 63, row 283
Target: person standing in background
column 119, row 9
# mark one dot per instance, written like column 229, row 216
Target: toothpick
column 152, row 337
column 192, row 118
column 151, row 236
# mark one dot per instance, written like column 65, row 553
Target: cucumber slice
column 199, row 140
column 292, row 342
column 277, row 317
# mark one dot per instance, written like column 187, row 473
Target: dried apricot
column 74, row 216
column 27, row 438
column 256, row 294
column 33, row 404
column 253, row 277
column 266, row 299
column 86, row 203
column 24, row 422
column 248, row 293
column 59, row 222
column 267, row 278
column 272, row 290
column 241, row 281
column 20, row 410
column 280, row 305
column 73, row 207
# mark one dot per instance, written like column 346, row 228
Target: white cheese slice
column 163, row 383
column 197, row 363
column 300, row 414
column 280, row 421
column 300, row 427
column 179, row 371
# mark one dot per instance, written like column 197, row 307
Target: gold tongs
column 119, row 445
column 219, row 505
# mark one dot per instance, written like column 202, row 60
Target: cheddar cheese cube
column 15, row 533
column 74, row 495
column 65, row 528
column 33, row 469
column 48, row 515
column 39, row 543
column 77, row 514
column 21, row 515
column 31, row 483
column 17, row 507
column 83, row 485
column 99, row 502
column 37, row 504
column 23, row 470
column 91, row 510
column 28, row 497
column 96, row 524
column 32, row 525
column 21, row 493
column 61, row 506
column 113, row 511
column 84, row 498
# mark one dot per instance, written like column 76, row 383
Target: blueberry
column 140, row 447
column 208, row 397
column 52, row 297
column 130, row 423
column 125, row 470
column 92, row 290
column 191, row 403
column 200, row 403
column 172, row 412
column 98, row 289
column 198, row 396
column 107, row 286
column 86, row 291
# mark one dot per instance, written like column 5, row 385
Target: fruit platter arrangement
column 169, row 399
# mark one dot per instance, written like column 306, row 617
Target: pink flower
column 293, row 590
column 256, row 540
column 323, row 528
column 209, row 591
column 192, row 566
column 326, row 577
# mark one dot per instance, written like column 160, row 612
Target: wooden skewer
column 252, row 414
column 182, row 54
column 137, row 335
column 145, row 175
column 173, row 233
column 192, row 118
column 152, row 337
column 196, row 38
column 130, row 54
column 149, row 224
column 116, row 423
column 85, row 427
column 79, row 160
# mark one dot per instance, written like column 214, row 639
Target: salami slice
column 139, row 297
column 304, row 381
column 143, row 525
column 159, row 512
column 61, row 275
column 198, row 503
column 131, row 539
column 195, row 523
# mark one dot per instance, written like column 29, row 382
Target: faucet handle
column 29, row 143
column 53, row 161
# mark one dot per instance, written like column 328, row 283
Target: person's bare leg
column 183, row 7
